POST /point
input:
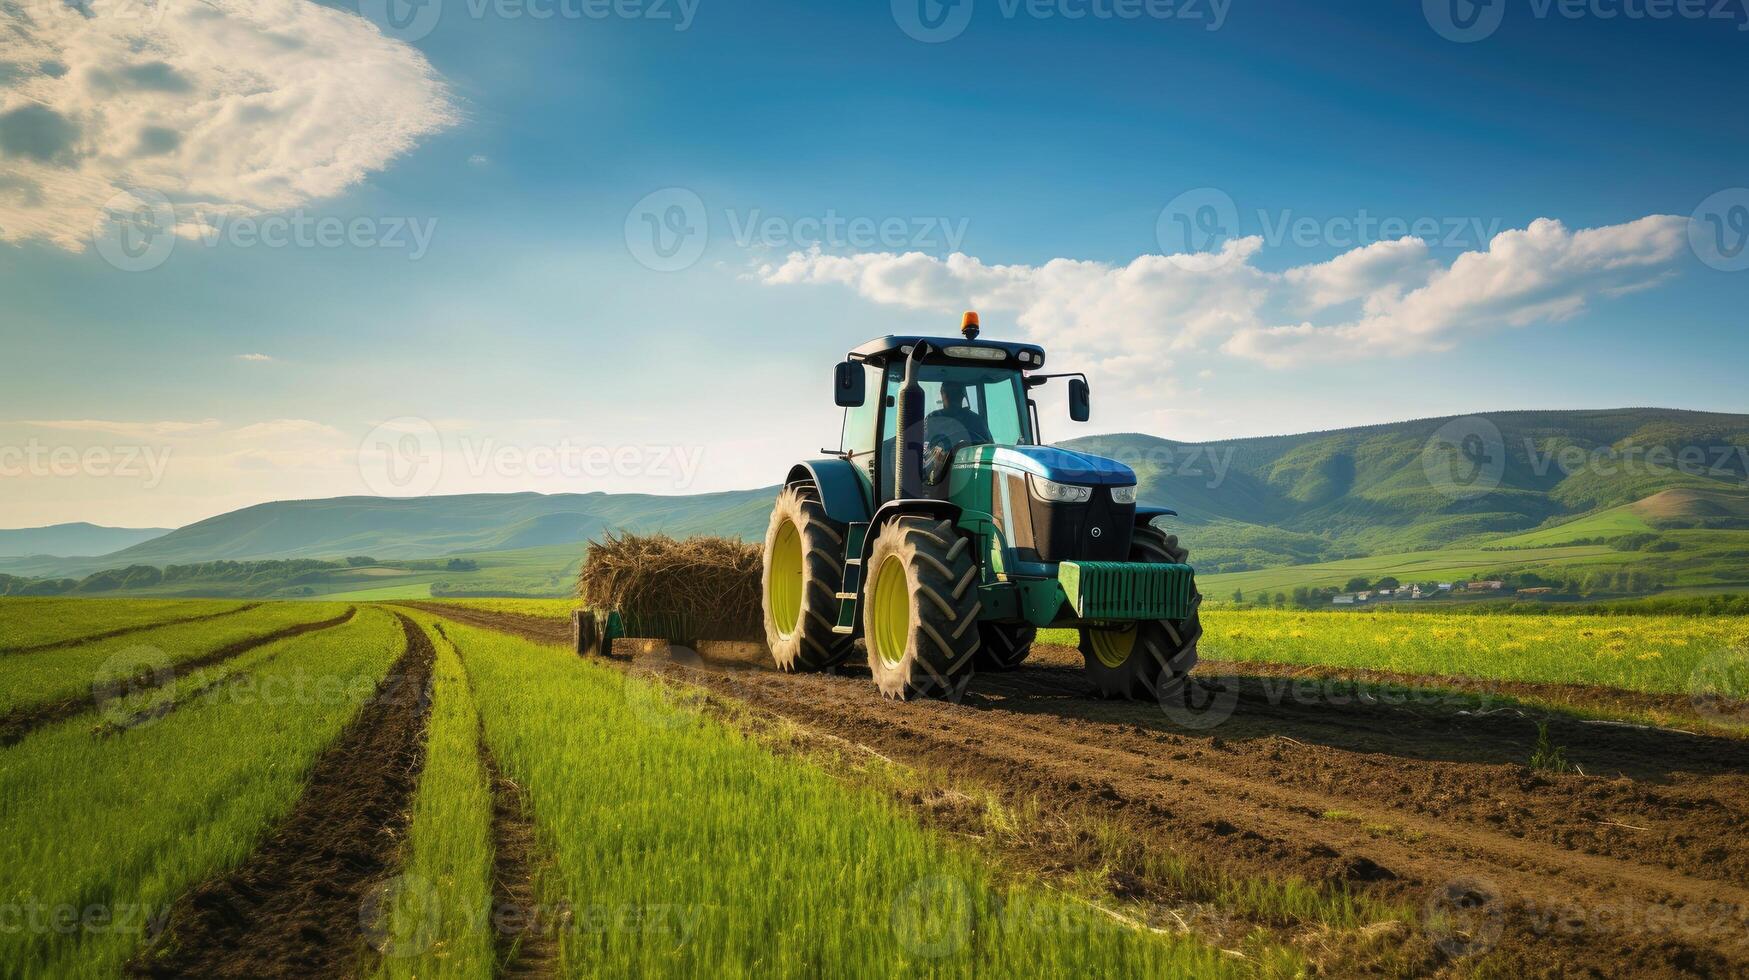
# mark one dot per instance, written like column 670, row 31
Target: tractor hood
column 1050, row 463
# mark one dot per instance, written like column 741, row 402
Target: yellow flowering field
column 1664, row 654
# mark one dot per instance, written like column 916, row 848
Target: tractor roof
column 1026, row 357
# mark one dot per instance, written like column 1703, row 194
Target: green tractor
column 943, row 534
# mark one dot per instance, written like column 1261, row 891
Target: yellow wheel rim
column 1112, row 647
column 786, row 580
column 890, row 611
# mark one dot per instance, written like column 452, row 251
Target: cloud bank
column 1390, row 298
column 225, row 107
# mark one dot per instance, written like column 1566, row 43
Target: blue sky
column 1045, row 149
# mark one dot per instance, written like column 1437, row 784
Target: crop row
column 91, row 862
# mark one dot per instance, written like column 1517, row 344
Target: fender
column 1145, row 515
column 841, row 490
column 939, row 509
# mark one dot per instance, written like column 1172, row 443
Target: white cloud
column 1385, row 299
column 254, row 357
column 226, row 107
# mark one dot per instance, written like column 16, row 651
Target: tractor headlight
column 1123, row 495
column 1058, row 493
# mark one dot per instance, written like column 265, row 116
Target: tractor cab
column 943, row 533
column 972, row 393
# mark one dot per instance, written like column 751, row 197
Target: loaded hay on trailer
column 683, row 590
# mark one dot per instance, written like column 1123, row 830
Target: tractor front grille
column 1128, row 589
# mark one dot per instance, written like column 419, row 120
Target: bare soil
column 1638, row 867
column 299, row 905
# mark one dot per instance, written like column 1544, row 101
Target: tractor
column 943, row 533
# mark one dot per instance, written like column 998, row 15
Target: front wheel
column 920, row 609
column 1146, row 659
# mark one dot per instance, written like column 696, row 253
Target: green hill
column 1659, row 495
column 74, row 540
column 1325, row 496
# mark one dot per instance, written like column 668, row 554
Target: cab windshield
column 964, row 404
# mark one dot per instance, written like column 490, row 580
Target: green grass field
column 28, row 679
column 37, row 622
column 159, row 807
column 866, row 891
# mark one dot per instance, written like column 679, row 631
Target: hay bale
column 684, row 590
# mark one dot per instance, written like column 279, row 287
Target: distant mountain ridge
column 1326, row 495
column 1245, row 503
column 74, row 540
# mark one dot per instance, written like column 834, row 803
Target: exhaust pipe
column 909, row 452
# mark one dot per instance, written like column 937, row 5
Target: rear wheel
column 1004, row 645
column 1148, row 659
column 920, row 609
column 804, row 569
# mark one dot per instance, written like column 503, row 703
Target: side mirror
column 849, row 384
column 1080, row 407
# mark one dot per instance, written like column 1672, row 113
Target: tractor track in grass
column 21, row 722
column 539, row 629
column 522, row 936
column 125, row 630
column 298, row 905
column 1638, row 868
